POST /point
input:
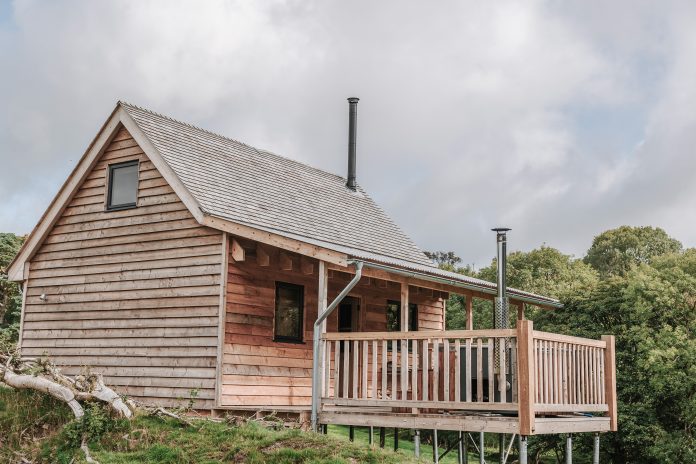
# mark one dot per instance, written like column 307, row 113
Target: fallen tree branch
column 88, row 456
column 60, row 392
column 164, row 412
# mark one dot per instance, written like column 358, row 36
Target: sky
column 558, row 119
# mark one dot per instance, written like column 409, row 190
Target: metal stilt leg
column 436, row 449
column 482, row 457
column 595, row 453
column 569, row 449
column 523, row 450
column 416, row 444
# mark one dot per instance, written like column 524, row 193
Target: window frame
column 412, row 321
column 284, row 338
column 109, row 185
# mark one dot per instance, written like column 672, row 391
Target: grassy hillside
column 32, row 428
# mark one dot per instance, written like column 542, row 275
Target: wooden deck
column 503, row 381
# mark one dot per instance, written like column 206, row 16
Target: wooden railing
column 570, row 374
column 433, row 369
column 518, row 370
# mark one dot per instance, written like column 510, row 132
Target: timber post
column 525, row 369
column 610, row 380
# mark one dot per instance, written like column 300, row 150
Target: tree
column 615, row 251
column 447, row 260
column 10, row 296
column 652, row 312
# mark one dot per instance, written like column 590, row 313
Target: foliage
column 10, row 296
column 33, row 427
column 444, row 259
column 616, row 251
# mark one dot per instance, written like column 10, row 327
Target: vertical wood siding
column 132, row 293
column 258, row 371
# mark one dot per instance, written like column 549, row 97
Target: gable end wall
column 134, row 294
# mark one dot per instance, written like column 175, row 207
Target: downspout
column 316, row 350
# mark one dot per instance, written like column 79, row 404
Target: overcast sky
column 558, row 119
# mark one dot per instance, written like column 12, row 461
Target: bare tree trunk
column 60, row 392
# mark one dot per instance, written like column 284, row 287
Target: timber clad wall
column 133, row 293
column 258, row 371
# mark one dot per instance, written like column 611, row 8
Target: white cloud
column 468, row 114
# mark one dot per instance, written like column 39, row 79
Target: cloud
column 557, row 119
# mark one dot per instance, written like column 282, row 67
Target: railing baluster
column 502, row 381
column 374, row 369
column 364, row 369
column 337, row 362
column 395, row 384
column 356, row 373
column 385, row 370
column 414, row 370
column 436, row 368
column 491, row 374
column 467, row 376
column 445, row 370
column 346, row 367
column 404, row 370
column 458, row 371
column 479, row 370
column 426, row 374
column 326, row 368
column 513, row 369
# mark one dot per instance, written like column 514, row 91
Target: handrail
column 553, row 337
column 420, row 334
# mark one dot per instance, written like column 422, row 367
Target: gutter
column 456, row 283
column 316, row 354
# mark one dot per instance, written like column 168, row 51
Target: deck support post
column 569, row 449
column 416, row 444
column 501, row 447
column 371, row 437
column 482, row 454
column 523, row 449
column 323, row 312
column 396, row 439
column 525, row 376
column 436, row 449
column 382, row 436
column 351, row 433
column 595, row 451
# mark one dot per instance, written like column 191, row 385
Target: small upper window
column 123, row 186
column 289, row 306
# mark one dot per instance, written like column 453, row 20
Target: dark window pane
column 394, row 316
column 288, row 312
column 123, row 187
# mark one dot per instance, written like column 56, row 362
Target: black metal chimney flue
column 352, row 130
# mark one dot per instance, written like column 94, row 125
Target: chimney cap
column 501, row 229
column 353, row 99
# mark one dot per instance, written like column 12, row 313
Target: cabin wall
column 257, row 371
column 133, row 293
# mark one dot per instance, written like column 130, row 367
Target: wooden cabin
column 186, row 265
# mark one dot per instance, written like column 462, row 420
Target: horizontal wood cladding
column 257, row 371
column 134, row 294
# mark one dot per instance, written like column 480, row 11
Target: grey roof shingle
column 237, row 182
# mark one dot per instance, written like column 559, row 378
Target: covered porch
column 509, row 381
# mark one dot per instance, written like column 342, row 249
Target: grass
column 40, row 429
column 33, row 426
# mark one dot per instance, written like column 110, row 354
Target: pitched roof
column 217, row 177
column 254, row 187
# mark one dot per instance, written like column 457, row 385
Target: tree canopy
column 615, row 251
column 638, row 284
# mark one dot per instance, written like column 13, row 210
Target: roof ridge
column 260, row 151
